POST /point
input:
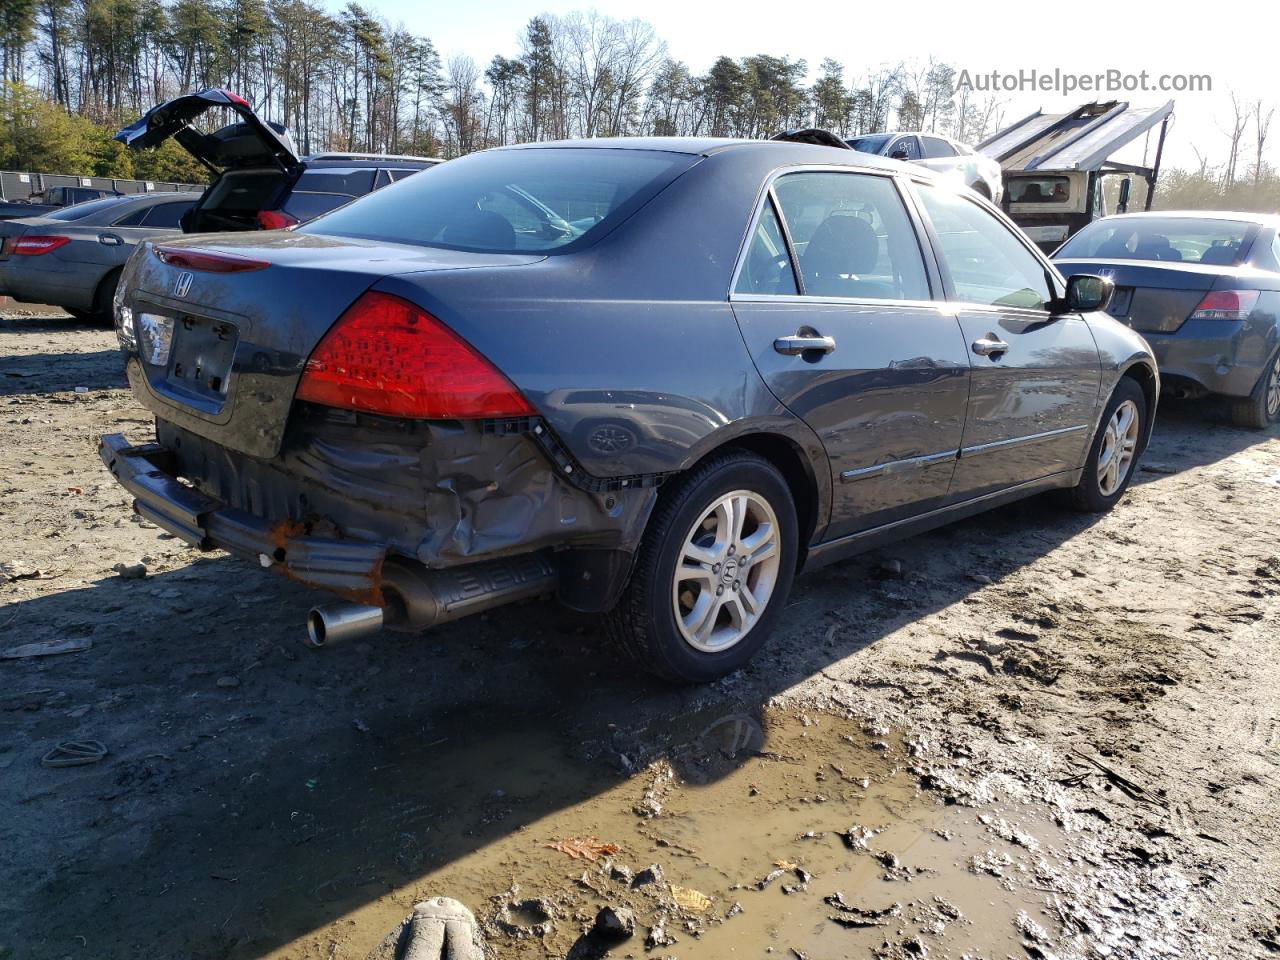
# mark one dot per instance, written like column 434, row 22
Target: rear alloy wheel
column 1113, row 455
column 713, row 571
column 1262, row 407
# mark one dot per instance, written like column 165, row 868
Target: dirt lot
column 1031, row 734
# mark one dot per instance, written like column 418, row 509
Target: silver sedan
column 72, row 258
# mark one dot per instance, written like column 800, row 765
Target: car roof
column 788, row 152
column 1268, row 219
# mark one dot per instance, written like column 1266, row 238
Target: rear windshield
column 511, row 201
column 1180, row 239
column 352, row 183
column 80, row 210
column 1039, row 189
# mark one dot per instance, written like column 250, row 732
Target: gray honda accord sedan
column 657, row 377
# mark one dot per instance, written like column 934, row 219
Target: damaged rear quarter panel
column 444, row 493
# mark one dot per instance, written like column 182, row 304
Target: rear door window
column 987, row 263
column 909, row 146
column 936, row 147
column 133, row 219
column 352, row 182
column 852, row 236
column 308, row 206
column 166, row 216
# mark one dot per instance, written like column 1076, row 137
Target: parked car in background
column 52, row 199
column 951, row 158
column 1204, row 289
column 72, row 258
column 655, row 376
column 260, row 181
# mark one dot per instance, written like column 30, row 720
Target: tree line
column 73, row 71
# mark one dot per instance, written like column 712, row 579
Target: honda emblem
column 182, row 284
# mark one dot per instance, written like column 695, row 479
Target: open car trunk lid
column 251, row 142
column 221, row 354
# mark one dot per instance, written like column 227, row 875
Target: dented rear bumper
column 351, row 568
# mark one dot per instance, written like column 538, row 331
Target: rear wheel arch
column 796, row 468
column 105, row 292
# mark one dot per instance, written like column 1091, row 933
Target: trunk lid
column 1151, row 296
column 221, row 353
column 252, row 142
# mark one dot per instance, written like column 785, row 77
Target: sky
column 1171, row 37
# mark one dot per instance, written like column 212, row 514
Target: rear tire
column 692, row 610
column 1115, row 451
column 1262, row 407
column 104, row 296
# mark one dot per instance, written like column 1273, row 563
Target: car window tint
column 401, row 174
column 937, row 147
column 353, row 183
column 563, row 195
column 908, row 145
column 1039, row 190
column 133, row 219
column 852, row 236
column 988, row 264
column 767, row 267
column 307, row 206
column 165, row 216
column 1180, row 239
column 81, row 210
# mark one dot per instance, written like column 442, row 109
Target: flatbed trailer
column 1055, row 165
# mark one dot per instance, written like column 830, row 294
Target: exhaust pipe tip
column 335, row 622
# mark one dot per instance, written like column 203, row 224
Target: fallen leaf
column 584, row 848
column 687, row 898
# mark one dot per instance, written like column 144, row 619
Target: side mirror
column 1122, row 205
column 1085, row 294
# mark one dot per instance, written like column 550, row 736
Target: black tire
column 103, row 297
column 644, row 622
column 1087, row 496
column 1259, row 410
column 84, row 316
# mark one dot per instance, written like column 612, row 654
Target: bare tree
column 1261, row 127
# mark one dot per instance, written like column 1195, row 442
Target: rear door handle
column 109, row 239
column 985, row 347
column 797, row 344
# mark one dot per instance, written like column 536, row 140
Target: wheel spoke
column 700, row 574
column 702, row 618
column 699, row 554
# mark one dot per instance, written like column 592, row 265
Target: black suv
column 260, row 182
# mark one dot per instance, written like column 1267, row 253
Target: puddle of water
column 774, row 837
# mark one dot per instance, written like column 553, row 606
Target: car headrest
column 841, row 244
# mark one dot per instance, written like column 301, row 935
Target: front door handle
column 109, row 240
column 985, row 347
column 797, row 344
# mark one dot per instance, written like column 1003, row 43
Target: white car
column 942, row 154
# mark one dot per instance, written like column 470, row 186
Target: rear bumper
column 1219, row 356
column 351, row 568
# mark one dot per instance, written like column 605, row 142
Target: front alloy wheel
column 1119, row 446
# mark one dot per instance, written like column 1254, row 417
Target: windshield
column 870, row 144
column 511, row 201
column 81, row 210
column 1039, row 190
column 1180, row 239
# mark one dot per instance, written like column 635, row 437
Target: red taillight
column 35, row 246
column 1225, row 305
column 275, row 220
column 209, row 262
column 385, row 355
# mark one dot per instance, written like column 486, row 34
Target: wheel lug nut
column 731, row 549
column 715, row 568
column 737, row 584
column 720, row 590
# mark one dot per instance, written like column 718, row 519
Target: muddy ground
column 1031, row 734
